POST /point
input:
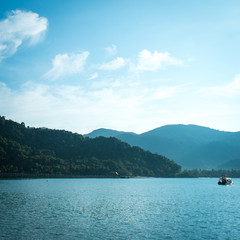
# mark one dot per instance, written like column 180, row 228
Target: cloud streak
column 65, row 64
column 111, row 51
column 19, row 27
column 113, row 65
column 93, row 76
column 165, row 92
column 114, row 106
column 230, row 89
column 148, row 61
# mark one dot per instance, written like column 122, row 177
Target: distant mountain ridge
column 191, row 146
column 103, row 132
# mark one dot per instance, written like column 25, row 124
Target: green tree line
column 196, row 173
column 25, row 150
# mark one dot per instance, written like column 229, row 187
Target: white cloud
column 148, row 61
column 100, row 84
column 115, row 105
column 111, row 51
column 64, row 64
column 165, row 92
column 229, row 89
column 80, row 109
column 114, row 64
column 67, row 107
column 20, row 26
column 93, row 76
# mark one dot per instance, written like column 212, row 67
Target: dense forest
column 26, row 151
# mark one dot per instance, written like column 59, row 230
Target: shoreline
column 56, row 176
column 46, row 175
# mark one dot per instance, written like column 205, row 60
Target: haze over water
column 147, row 208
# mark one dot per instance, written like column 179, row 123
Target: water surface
column 142, row 208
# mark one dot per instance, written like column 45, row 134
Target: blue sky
column 124, row 65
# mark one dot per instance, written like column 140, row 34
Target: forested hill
column 57, row 152
column 191, row 146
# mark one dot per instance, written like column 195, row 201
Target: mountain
column 191, row 146
column 232, row 164
column 58, row 152
column 106, row 133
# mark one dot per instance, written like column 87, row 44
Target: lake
column 135, row 208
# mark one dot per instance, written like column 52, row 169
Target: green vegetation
column 195, row 173
column 39, row 151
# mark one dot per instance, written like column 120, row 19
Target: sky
column 129, row 65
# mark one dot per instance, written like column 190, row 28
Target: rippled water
column 147, row 208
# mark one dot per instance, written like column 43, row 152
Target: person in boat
column 224, row 180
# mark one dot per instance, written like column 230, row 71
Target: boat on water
column 225, row 181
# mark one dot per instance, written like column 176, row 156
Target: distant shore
column 37, row 176
column 30, row 175
column 194, row 173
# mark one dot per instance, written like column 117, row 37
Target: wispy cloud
column 111, row 51
column 148, row 61
column 191, row 60
column 93, row 76
column 114, row 105
column 18, row 27
column 64, row 64
column 165, row 92
column 229, row 89
column 113, row 65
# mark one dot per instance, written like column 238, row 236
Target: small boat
column 225, row 181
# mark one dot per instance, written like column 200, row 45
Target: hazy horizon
column 119, row 130
column 130, row 66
